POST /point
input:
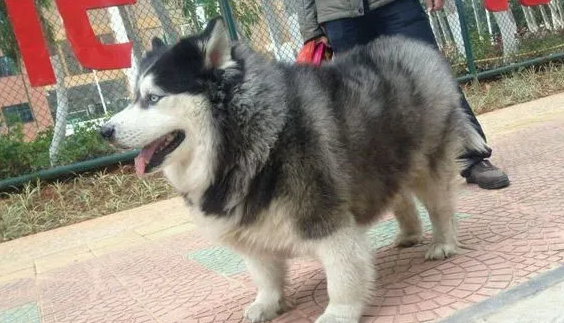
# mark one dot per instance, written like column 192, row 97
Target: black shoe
column 487, row 176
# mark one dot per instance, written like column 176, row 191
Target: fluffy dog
column 277, row 160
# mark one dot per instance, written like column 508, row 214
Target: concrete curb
column 507, row 298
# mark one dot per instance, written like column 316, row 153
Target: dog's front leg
column 347, row 258
column 268, row 275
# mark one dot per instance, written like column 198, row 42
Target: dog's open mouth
column 152, row 155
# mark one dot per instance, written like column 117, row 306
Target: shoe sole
column 502, row 183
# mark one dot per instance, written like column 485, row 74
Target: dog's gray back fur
column 342, row 138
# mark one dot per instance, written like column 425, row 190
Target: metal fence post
column 466, row 38
column 225, row 8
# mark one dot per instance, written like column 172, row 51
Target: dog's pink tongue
column 145, row 156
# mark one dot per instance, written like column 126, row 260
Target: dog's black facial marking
column 180, row 70
column 143, row 102
column 150, row 57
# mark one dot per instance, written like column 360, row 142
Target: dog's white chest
column 273, row 233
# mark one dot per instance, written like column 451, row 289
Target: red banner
column 31, row 42
column 89, row 51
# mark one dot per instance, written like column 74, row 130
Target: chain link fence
column 44, row 127
column 526, row 30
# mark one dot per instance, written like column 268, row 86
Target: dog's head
column 170, row 111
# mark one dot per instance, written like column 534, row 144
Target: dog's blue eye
column 153, row 98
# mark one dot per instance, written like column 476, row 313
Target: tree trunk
column 62, row 111
column 490, row 28
column 477, row 18
column 531, row 20
column 275, row 31
column 166, row 21
column 559, row 8
column 557, row 19
column 192, row 13
column 508, row 29
column 443, row 24
column 131, row 30
column 293, row 21
column 547, row 23
column 436, row 29
column 124, row 31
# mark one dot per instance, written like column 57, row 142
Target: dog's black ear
column 216, row 48
column 157, row 43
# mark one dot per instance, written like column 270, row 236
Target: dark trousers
column 400, row 17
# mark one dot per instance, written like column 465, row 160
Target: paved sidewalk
column 150, row 264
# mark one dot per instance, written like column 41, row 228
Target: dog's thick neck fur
column 244, row 145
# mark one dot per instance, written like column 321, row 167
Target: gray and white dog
column 277, row 160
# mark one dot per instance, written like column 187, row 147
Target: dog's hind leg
column 436, row 193
column 347, row 259
column 268, row 275
column 410, row 228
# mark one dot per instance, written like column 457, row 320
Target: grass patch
column 40, row 207
column 521, row 86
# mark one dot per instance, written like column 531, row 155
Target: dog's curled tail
column 472, row 140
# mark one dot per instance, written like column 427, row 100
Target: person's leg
column 344, row 34
column 408, row 18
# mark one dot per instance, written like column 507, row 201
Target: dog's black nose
column 107, row 131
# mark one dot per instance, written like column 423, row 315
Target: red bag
column 313, row 53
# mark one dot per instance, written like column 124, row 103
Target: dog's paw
column 331, row 318
column 440, row 251
column 260, row 312
column 406, row 241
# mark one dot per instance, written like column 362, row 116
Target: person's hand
column 434, row 5
column 307, row 52
column 321, row 39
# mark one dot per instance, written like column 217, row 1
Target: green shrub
column 20, row 157
column 84, row 144
column 482, row 47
